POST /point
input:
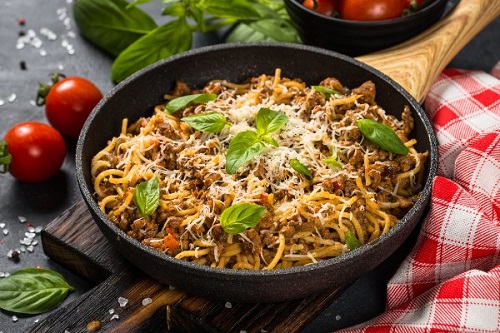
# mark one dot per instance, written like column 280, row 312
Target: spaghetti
column 364, row 193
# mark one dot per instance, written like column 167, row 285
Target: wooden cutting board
column 74, row 240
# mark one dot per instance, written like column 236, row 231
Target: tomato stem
column 43, row 89
column 5, row 157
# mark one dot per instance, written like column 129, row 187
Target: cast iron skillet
column 136, row 97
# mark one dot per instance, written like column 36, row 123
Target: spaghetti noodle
column 306, row 219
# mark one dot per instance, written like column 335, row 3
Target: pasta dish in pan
column 270, row 173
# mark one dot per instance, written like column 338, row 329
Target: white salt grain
column 22, row 219
column 228, row 305
column 1, row 102
column 147, row 301
column 14, row 318
column 122, row 301
column 2, row 225
column 12, row 98
column 111, row 311
column 5, row 231
column 338, row 317
column 114, row 317
column 30, row 235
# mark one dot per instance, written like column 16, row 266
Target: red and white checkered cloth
column 450, row 282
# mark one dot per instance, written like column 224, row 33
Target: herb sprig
column 131, row 35
column 248, row 144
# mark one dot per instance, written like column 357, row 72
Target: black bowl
column 136, row 97
column 356, row 38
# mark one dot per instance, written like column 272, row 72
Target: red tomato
column 325, row 7
column 373, row 10
column 32, row 151
column 69, row 102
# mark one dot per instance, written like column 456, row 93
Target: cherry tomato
column 373, row 10
column 69, row 102
column 325, row 7
column 32, row 152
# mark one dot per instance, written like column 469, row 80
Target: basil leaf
column 33, row 291
column 147, row 196
column 332, row 162
column 239, row 217
column 110, row 25
column 325, row 90
column 382, row 136
column 242, row 148
column 177, row 9
column 268, row 121
column 169, row 39
column 351, row 241
column 300, row 168
column 270, row 140
column 211, row 122
column 234, row 9
column 181, row 102
column 275, row 29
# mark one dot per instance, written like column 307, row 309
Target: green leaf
column 270, row 140
column 239, row 217
column 275, row 29
column 268, row 121
column 382, row 136
column 33, row 291
column 333, row 162
column 242, row 148
column 234, row 9
column 110, row 25
column 325, row 90
column 300, row 168
column 169, row 39
column 175, row 9
column 211, row 122
column 181, row 102
column 351, row 241
column 147, row 196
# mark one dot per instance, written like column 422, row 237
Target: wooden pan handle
column 416, row 63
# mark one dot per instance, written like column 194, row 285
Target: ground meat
column 368, row 92
column 333, row 83
column 180, row 89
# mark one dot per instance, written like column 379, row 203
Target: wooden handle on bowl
column 416, row 63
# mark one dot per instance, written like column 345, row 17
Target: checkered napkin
column 450, row 282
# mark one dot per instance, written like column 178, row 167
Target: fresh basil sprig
column 211, row 122
column 351, row 241
column 382, row 136
column 125, row 31
column 33, row 291
column 239, row 217
column 300, row 168
column 180, row 103
column 248, row 144
column 147, row 196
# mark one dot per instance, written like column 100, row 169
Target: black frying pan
column 414, row 65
